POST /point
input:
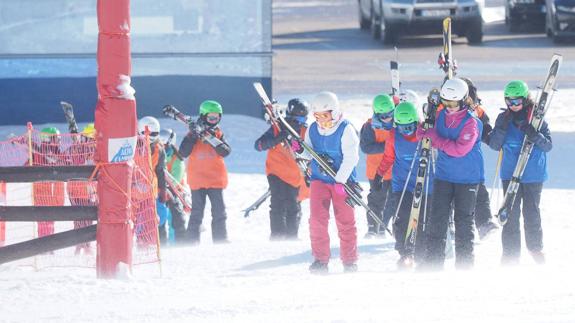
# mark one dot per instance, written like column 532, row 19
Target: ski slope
column 255, row 280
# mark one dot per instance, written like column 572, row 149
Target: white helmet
column 326, row 101
column 409, row 96
column 167, row 136
column 153, row 126
column 454, row 90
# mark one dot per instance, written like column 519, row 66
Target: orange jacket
column 206, row 169
column 373, row 160
column 280, row 162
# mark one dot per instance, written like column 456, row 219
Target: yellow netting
column 73, row 150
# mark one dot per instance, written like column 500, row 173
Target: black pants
column 376, row 199
column 219, row 232
column 530, row 195
column 463, row 197
column 400, row 224
column 178, row 219
column 285, row 210
column 482, row 206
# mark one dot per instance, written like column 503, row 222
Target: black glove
column 377, row 183
column 530, row 132
column 485, row 132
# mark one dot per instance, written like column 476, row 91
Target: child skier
column 207, row 174
column 48, row 193
column 284, row 175
column 176, row 168
column 158, row 159
column 373, row 136
column 83, row 192
column 399, row 154
column 336, row 140
column 459, row 170
column 511, row 127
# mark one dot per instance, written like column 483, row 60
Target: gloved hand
column 163, row 195
column 421, row 133
column 377, row 183
column 530, row 132
column 339, row 189
column 296, row 147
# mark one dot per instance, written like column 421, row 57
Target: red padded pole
column 116, row 124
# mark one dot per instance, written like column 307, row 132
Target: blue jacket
column 468, row 169
column 329, row 148
column 508, row 137
column 404, row 153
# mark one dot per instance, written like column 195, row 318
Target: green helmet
column 405, row 113
column 210, row 106
column 516, row 89
column 383, row 103
column 49, row 132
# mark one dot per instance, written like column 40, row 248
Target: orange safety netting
column 39, row 149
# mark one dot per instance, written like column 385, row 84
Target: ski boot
column 350, row 268
column 538, row 256
column 318, row 268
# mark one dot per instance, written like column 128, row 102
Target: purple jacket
column 454, row 148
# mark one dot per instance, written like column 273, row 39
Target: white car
column 389, row 19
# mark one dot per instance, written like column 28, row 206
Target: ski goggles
column 407, row 129
column 513, row 101
column 212, row 118
column 154, row 134
column 299, row 119
column 384, row 116
column 450, row 103
column 324, row 119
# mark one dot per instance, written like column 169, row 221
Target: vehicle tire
column 474, row 33
column 389, row 35
column 364, row 23
column 375, row 26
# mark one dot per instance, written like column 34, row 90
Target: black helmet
column 472, row 89
column 297, row 108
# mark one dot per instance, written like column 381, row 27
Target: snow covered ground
column 252, row 279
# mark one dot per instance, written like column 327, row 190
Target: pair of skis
column 536, row 121
column 353, row 192
column 425, row 156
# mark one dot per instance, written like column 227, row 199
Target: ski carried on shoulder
column 203, row 133
column 536, row 121
column 69, row 114
column 273, row 116
column 394, row 69
column 445, row 60
column 179, row 192
column 423, row 170
column 257, row 203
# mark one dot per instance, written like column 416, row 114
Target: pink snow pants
column 321, row 196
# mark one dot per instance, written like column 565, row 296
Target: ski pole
column 406, row 182
column 496, row 177
column 257, row 203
